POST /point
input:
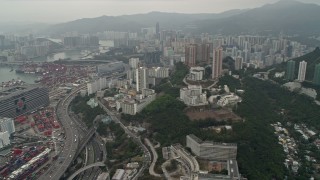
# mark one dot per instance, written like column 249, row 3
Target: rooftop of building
column 199, row 141
column 13, row 91
column 198, row 68
column 5, row 119
column 195, row 138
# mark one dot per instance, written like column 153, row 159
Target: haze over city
column 159, row 89
column 54, row 11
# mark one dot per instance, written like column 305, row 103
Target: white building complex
column 211, row 150
column 7, row 125
column 96, row 85
column 4, row 139
column 6, row 129
column 134, row 105
column 196, row 73
column 230, row 99
column 134, row 63
column 302, row 71
column 193, row 96
column 158, row 72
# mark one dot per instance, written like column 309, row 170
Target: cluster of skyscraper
column 25, row 47
column 143, row 76
column 80, row 41
column 255, row 51
column 291, row 69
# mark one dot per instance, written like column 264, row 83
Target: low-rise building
column 103, row 176
column 196, row 73
column 4, row 139
column 132, row 106
column 158, row 72
column 211, row 150
column 123, row 83
column 96, row 85
column 228, row 100
column 193, row 96
column 7, row 125
column 118, row 175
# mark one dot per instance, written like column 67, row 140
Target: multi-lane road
column 135, row 138
column 74, row 131
column 57, row 170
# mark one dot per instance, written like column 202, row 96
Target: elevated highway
column 97, row 164
column 85, row 141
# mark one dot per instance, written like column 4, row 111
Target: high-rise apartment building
column 134, row 63
column 238, row 63
column 217, row 63
column 302, row 71
column 290, row 70
column 316, row 77
column 190, row 55
column 205, row 52
column 158, row 30
column 96, row 85
column 141, row 78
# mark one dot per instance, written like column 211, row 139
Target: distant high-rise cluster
column 197, row 53
column 80, row 41
column 291, row 75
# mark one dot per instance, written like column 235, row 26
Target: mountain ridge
column 136, row 21
column 287, row 16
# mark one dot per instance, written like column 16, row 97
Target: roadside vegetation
column 79, row 106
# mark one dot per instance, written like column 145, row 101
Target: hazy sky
column 52, row 11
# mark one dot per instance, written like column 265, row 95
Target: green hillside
column 312, row 59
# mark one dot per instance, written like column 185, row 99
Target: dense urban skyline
column 174, row 89
column 59, row 11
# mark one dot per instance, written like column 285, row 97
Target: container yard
column 24, row 161
column 43, row 122
column 31, row 166
column 39, row 140
column 51, row 74
column 12, row 83
column 33, row 145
